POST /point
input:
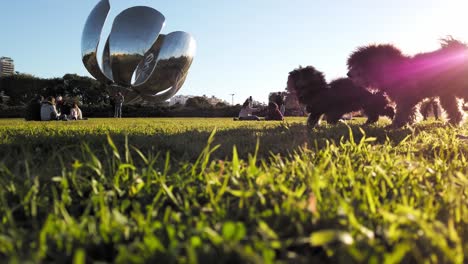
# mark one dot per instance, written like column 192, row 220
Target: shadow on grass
column 284, row 139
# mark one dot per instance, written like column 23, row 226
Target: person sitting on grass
column 75, row 112
column 246, row 112
column 279, row 100
column 48, row 110
column 61, row 107
column 274, row 112
column 33, row 109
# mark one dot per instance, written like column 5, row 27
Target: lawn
column 192, row 190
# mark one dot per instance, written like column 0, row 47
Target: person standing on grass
column 119, row 99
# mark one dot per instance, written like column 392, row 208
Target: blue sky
column 243, row 47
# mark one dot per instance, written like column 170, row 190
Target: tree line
column 94, row 98
column 22, row 88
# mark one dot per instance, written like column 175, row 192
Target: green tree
column 198, row 102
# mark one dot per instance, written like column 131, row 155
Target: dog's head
column 306, row 83
column 373, row 65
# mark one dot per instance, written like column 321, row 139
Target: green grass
column 219, row 191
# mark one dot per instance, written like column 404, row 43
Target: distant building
column 7, row 66
column 214, row 101
column 182, row 99
column 179, row 99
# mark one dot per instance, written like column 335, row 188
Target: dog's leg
column 372, row 117
column 406, row 114
column 435, row 109
column 314, row 119
column 334, row 117
column 389, row 112
column 454, row 112
column 424, row 110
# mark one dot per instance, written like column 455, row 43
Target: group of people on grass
column 275, row 110
column 52, row 108
column 56, row 109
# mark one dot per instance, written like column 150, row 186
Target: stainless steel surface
column 159, row 65
column 90, row 39
column 135, row 97
column 106, row 64
column 173, row 62
column 134, row 32
column 146, row 67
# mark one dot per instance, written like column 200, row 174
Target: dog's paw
column 313, row 122
column 371, row 122
column 341, row 121
column 312, row 126
column 454, row 123
column 396, row 125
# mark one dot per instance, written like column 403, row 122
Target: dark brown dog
column 341, row 96
column 408, row 80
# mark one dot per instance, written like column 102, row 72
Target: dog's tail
column 451, row 43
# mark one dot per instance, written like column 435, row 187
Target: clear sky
column 244, row 47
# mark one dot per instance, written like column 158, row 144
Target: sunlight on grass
column 218, row 191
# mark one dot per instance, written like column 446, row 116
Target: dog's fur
column 408, row 80
column 334, row 100
column 430, row 106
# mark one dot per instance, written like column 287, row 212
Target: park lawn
column 191, row 190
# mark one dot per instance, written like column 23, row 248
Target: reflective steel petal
column 146, row 67
column 106, row 64
column 164, row 95
column 132, row 98
column 133, row 49
column 133, row 33
column 90, row 39
column 174, row 59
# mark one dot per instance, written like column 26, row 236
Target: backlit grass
column 218, row 191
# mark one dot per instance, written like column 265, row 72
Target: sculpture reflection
column 135, row 50
column 90, row 39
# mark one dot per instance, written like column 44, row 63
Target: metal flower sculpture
column 147, row 66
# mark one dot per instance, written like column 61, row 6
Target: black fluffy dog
column 408, row 80
column 334, row 100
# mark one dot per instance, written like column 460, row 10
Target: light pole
column 232, row 98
